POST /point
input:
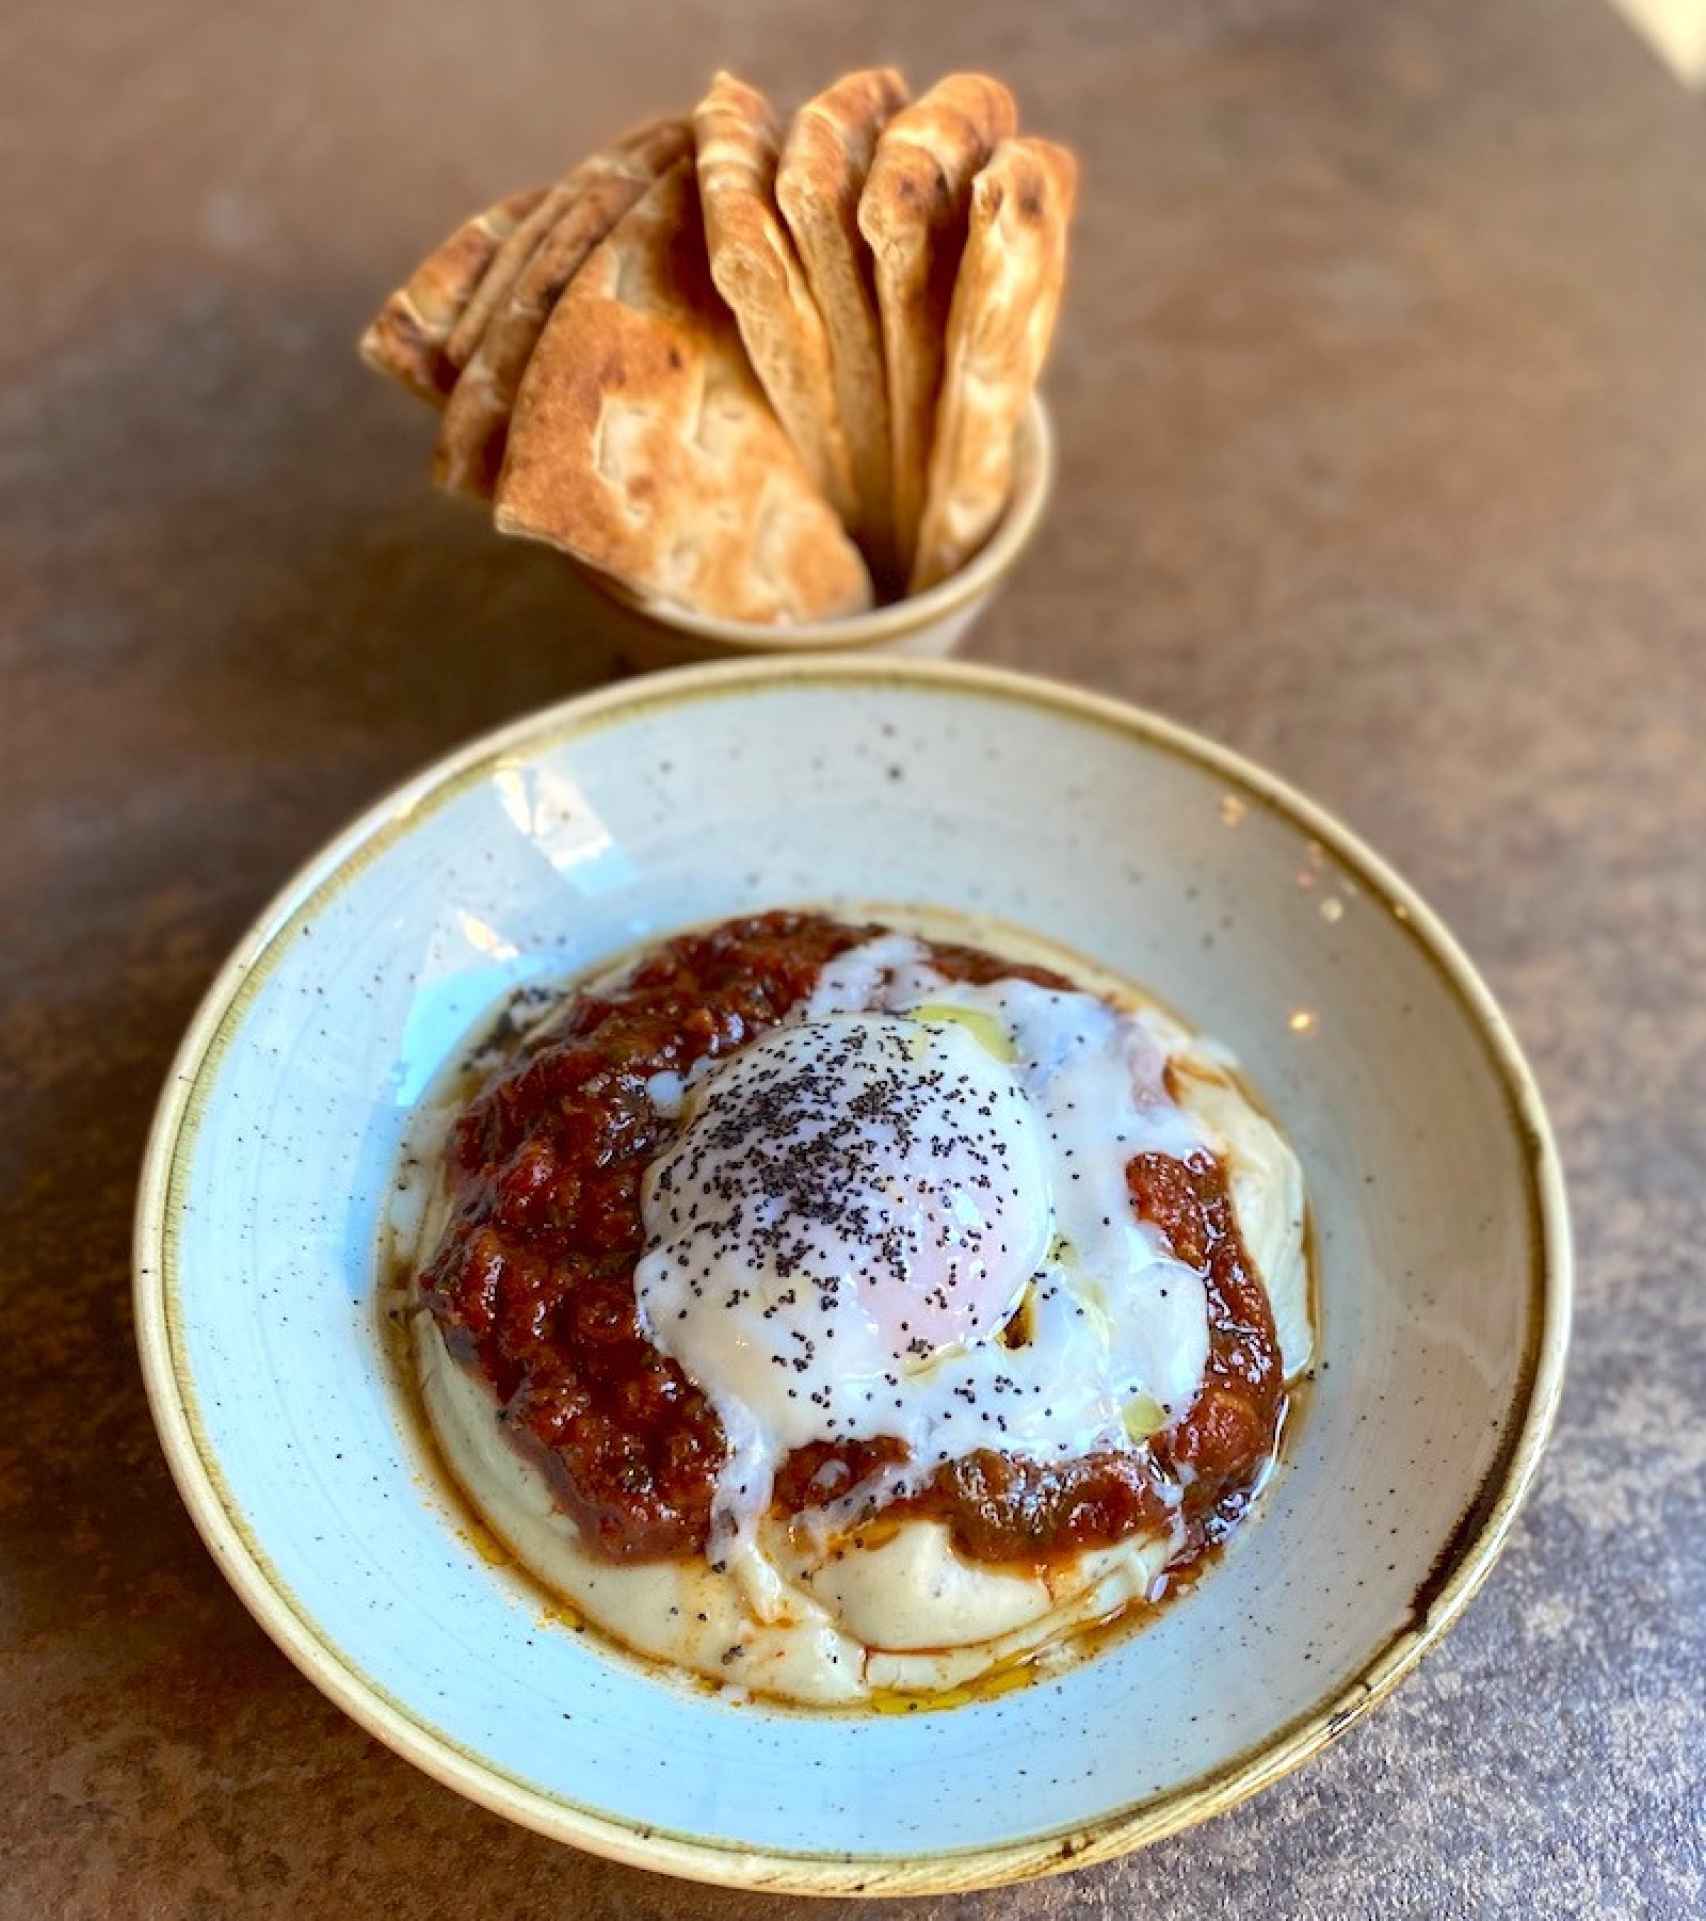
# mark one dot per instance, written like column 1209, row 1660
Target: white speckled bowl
column 1444, row 1263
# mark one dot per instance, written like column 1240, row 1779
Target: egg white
column 824, row 1611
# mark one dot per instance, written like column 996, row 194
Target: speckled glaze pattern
column 1440, row 1251
column 1383, row 449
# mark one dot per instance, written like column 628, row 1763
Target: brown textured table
column 1383, row 404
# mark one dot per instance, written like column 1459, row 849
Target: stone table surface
column 1382, row 394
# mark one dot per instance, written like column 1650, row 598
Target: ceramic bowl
column 925, row 626
column 1439, row 1218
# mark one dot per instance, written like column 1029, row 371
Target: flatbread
column 406, row 338
column 999, row 327
column 470, row 447
column 913, row 216
column 642, row 444
column 514, row 253
column 757, row 272
column 819, row 179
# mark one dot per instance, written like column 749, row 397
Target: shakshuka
column 839, row 1311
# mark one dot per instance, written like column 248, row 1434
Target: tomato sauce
column 533, row 1283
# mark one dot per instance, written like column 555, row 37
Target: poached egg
column 818, row 1608
column 862, row 1201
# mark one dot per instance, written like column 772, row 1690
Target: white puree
column 810, row 1611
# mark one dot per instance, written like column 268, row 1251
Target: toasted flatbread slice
column 406, row 338
column 513, row 254
column 471, row 439
column 913, row 216
column 757, row 272
column 642, row 444
column 999, row 327
column 821, row 174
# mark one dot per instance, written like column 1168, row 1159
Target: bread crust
column 470, row 449
column 824, row 164
column 1006, row 299
column 913, row 215
column 758, row 273
column 512, row 256
column 406, row 339
column 642, row 444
